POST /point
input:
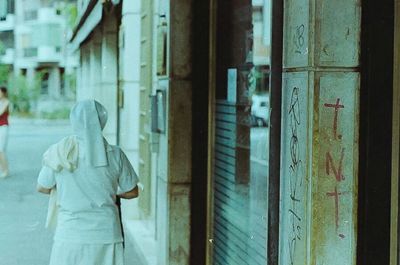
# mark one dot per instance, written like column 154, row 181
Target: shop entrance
column 240, row 133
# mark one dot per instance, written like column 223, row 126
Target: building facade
column 257, row 127
column 7, row 31
column 34, row 36
column 118, row 41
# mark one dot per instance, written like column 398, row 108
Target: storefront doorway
column 238, row 192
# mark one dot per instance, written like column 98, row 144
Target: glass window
column 240, row 166
column 31, row 15
column 7, row 39
column 25, row 40
column 3, row 10
column 11, row 6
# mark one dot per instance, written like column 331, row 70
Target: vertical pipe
column 275, row 131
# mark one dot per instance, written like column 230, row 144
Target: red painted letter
column 330, row 165
column 336, row 106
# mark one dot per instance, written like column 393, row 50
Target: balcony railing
column 49, row 54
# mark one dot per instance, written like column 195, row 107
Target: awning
column 89, row 20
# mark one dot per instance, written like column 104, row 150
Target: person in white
column 88, row 175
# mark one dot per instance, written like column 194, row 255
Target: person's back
column 87, row 188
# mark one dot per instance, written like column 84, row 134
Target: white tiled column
column 109, row 81
column 129, row 80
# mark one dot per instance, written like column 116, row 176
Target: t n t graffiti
column 337, row 170
column 336, row 107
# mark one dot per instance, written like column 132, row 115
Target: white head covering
column 88, row 119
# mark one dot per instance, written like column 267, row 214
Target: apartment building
column 34, row 34
column 7, row 26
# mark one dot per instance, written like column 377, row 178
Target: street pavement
column 23, row 237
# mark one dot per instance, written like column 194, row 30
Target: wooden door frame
column 375, row 152
column 394, row 225
column 200, row 131
column 211, row 122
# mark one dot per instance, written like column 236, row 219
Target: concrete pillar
column 174, row 160
column 95, row 66
column 109, row 72
column 70, row 72
column 320, row 105
column 79, row 78
column 83, row 89
column 54, row 82
column 30, row 74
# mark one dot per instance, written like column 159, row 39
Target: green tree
column 24, row 92
column 4, row 69
column 4, row 74
column 71, row 14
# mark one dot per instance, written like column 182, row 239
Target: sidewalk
column 36, row 121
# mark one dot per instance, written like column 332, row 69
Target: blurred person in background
column 4, row 112
column 86, row 175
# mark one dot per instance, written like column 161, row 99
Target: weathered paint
column 337, row 34
column 334, row 181
column 337, row 30
column 296, row 34
column 177, row 141
column 320, row 144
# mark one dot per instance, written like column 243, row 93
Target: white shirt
column 86, row 198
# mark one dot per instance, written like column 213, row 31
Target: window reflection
column 241, row 132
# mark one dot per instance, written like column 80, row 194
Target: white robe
column 87, row 254
column 88, row 230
